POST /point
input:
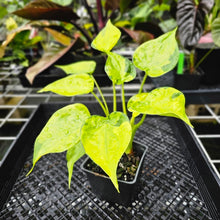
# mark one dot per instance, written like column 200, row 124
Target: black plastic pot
column 105, row 190
column 188, row 81
column 210, row 66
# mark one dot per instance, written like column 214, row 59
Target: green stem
column 130, row 145
column 142, row 84
column 204, row 57
column 123, row 98
column 114, row 98
column 139, row 123
column 134, row 129
column 101, row 94
column 196, row 2
column 192, row 61
column 103, row 107
column 132, row 120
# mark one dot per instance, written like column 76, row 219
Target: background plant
column 194, row 18
column 105, row 138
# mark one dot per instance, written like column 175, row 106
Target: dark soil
column 126, row 170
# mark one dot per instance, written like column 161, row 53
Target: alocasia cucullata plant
column 105, row 138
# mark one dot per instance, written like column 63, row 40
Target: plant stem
column 204, row 57
column 100, row 92
column 139, row 123
column 114, row 98
column 142, row 84
column 134, row 129
column 100, row 14
column 123, row 98
column 192, row 61
column 91, row 16
column 103, row 107
column 82, row 31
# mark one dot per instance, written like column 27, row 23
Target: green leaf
column 164, row 101
column 3, row 12
column 73, row 154
column 107, row 38
column 158, row 56
column 216, row 31
column 124, row 5
column 105, row 139
column 62, row 2
column 141, row 12
column 61, row 132
column 76, row 84
column 79, row 67
column 119, row 69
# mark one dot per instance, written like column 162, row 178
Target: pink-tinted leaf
column 46, row 10
column 46, row 61
column 138, row 35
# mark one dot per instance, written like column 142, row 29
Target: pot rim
column 120, row 181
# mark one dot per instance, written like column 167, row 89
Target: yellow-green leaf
column 164, row 101
column 76, row 84
column 119, row 69
column 73, row 154
column 79, row 67
column 107, row 38
column 61, row 132
column 157, row 57
column 105, row 139
column 59, row 37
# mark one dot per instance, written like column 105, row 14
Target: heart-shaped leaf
column 164, row 101
column 157, row 57
column 75, row 84
column 119, row 69
column 191, row 19
column 46, row 10
column 79, row 67
column 216, row 31
column 105, row 139
column 107, row 38
column 73, row 154
column 61, row 132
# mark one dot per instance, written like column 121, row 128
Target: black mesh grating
column 168, row 190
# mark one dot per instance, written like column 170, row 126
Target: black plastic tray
column 177, row 181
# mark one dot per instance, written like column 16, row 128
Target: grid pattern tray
column 174, row 181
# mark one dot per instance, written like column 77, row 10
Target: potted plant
column 72, row 39
column 208, row 48
column 105, row 139
column 83, row 21
column 190, row 16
